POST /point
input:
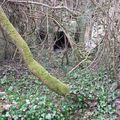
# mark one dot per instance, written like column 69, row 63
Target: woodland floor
column 22, row 96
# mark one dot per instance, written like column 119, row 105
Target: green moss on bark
column 39, row 71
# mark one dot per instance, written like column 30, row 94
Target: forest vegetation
column 59, row 60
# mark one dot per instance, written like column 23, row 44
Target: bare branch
column 45, row 5
column 3, row 2
column 79, row 64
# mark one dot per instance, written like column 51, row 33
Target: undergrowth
column 92, row 97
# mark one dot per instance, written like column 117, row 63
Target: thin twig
column 3, row 2
column 79, row 64
column 45, row 5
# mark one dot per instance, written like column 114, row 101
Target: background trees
column 86, row 25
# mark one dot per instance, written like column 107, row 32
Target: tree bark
column 39, row 71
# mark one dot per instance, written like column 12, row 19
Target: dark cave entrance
column 60, row 41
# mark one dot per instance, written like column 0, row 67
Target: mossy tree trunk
column 39, row 71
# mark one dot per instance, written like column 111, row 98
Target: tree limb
column 39, row 71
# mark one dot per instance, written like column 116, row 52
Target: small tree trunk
column 52, row 82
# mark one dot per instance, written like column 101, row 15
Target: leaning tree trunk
column 39, row 71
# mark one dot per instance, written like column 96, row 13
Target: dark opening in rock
column 61, row 41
